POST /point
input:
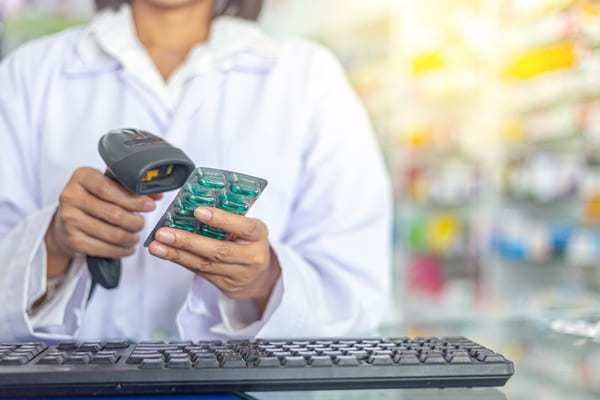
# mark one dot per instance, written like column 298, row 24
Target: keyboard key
column 78, row 359
column 339, row 346
column 51, row 360
column 380, row 360
column 458, row 359
column 138, row 358
column 68, row 345
column 91, row 346
column 433, row 359
column 116, row 344
column 388, row 353
column 179, row 363
column 491, row 358
column 324, row 342
column 110, row 358
column 251, row 356
column 345, row 361
column 407, row 359
column 13, row 360
column 265, row 362
column 330, row 353
column 27, row 354
column 206, row 363
column 306, row 354
column 359, row 354
column 320, row 361
column 279, row 354
column 294, row 361
column 152, row 363
column 233, row 362
column 371, row 341
column 301, row 342
column 181, row 342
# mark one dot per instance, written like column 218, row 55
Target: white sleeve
column 336, row 254
column 23, row 219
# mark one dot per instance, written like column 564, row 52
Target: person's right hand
column 96, row 216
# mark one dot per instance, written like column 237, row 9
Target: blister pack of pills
column 227, row 190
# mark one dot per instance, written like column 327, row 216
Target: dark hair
column 247, row 9
column 113, row 4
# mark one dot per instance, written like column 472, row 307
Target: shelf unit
column 510, row 90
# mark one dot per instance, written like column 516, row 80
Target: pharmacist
column 312, row 257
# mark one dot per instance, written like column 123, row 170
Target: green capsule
column 245, row 187
column 213, row 232
column 185, row 212
column 213, row 180
column 233, row 203
column 199, row 191
column 185, row 224
column 194, row 200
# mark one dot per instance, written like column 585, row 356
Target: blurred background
column 488, row 114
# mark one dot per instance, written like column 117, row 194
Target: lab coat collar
column 233, row 43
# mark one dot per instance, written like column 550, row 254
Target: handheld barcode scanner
column 145, row 164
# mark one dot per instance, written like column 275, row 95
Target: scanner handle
column 104, row 271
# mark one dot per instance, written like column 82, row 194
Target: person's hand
column 244, row 267
column 96, row 216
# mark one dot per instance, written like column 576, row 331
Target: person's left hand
column 244, row 267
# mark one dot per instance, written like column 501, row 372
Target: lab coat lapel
column 199, row 111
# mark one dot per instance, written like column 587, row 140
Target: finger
column 106, row 189
column 156, row 196
column 211, row 249
column 108, row 212
column 194, row 262
column 243, row 227
column 98, row 229
column 86, row 244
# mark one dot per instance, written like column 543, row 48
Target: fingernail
column 148, row 206
column 165, row 237
column 203, row 214
column 158, row 250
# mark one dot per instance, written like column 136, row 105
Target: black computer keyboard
column 117, row 367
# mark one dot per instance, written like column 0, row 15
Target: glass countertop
column 549, row 365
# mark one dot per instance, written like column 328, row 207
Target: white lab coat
column 291, row 119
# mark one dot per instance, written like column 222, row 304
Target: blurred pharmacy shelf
column 488, row 115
